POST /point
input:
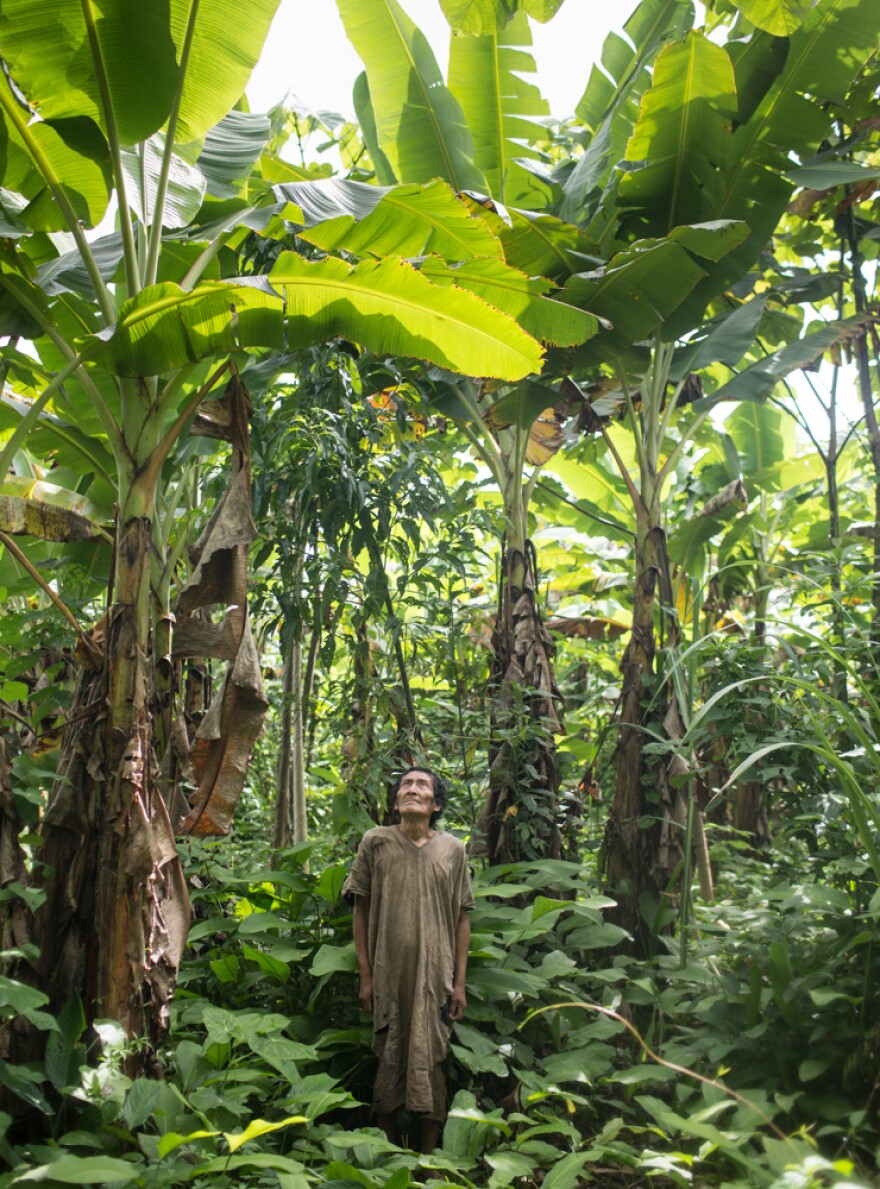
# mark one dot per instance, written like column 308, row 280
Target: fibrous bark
column 520, row 817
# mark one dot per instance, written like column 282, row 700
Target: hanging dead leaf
column 545, row 437
column 225, row 737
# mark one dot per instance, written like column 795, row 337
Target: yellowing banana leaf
column 419, row 125
column 387, row 306
column 35, row 508
column 524, row 298
column 501, row 108
column 163, row 327
column 405, row 220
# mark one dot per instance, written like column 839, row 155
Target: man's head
column 418, row 790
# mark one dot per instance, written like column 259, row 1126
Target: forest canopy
column 539, row 449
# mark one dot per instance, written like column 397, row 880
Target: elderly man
column 411, row 934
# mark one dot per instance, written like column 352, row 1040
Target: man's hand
column 365, row 993
column 457, row 1004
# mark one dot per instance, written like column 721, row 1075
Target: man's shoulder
column 450, row 842
column 378, row 835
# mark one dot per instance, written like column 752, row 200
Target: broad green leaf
column 407, row 220
column 164, row 327
column 20, row 997
column 610, row 104
column 56, row 62
column 500, row 107
column 223, row 52
column 331, row 959
column 85, row 1170
column 542, row 245
column 758, row 381
column 366, row 118
column 140, row 1101
column 528, row 300
column 635, row 294
column 392, row 309
column 387, row 306
column 69, row 153
column 483, row 17
column 566, row 1173
column 764, row 437
column 419, row 124
column 258, row 1127
column 521, row 406
column 68, row 273
column 725, row 340
column 779, row 17
column 826, row 174
column 231, row 148
column 622, row 75
column 681, row 136
column 785, row 108
column 186, row 184
column 173, row 1139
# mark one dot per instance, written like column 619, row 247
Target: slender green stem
column 102, row 293
column 491, row 460
column 155, row 243
column 678, row 449
column 194, row 273
column 132, row 270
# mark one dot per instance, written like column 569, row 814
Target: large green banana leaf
column 387, row 306
column 609, row 106
column 419, row 125
column 737, row 171
column 642, row 287
column 64, row 54
column 501, row 107
column 68, row 152
column 680, row 140
column 525, row 299
column 481, row 18
column 407, row 220
column 537, row 244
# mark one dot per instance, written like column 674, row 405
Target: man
column 411, row 935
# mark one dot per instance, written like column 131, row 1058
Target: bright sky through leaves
column 308, row 53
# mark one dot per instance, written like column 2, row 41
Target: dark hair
column 441, row 793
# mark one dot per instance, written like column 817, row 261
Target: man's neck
column 417, row 829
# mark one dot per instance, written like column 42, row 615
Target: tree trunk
column 647, row 824
column 520, row 817
column 282, row 834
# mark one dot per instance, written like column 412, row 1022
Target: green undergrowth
column 754, row 1063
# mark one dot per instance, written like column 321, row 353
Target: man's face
column 415, row 797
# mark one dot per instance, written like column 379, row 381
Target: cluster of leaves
column 595, row 1066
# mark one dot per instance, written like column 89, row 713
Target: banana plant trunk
column 115, row 918
column 632, row 839
column 520, row 817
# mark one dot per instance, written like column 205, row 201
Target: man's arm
column 361, row 927
column 458, row 1001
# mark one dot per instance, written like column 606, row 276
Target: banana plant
column 104, row 108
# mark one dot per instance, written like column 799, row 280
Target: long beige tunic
column 416, row 897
